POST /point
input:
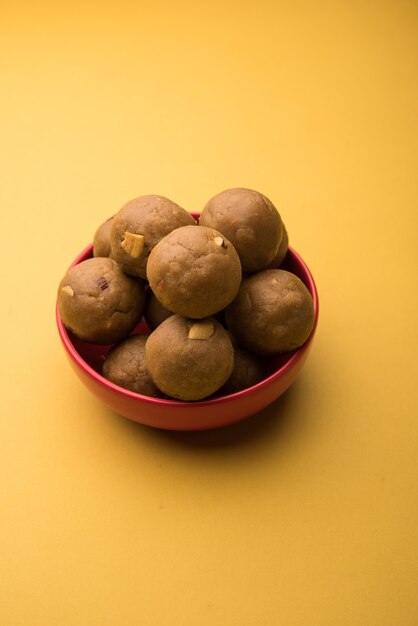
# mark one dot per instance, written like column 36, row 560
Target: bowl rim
column 294, row 356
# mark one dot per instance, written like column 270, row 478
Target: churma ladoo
column 138, row 227
column 194, row 271
column 101, row 239
column 273, row 312
column 251, row 223
column 189, row 359
column 125, row 365
column 98, row 302
column 281, row 251
column 249, row 369
column 154, row 313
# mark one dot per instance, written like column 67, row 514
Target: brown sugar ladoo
column 189, row 359
column 101, row 240
column 98, row 302
column 249, row 369
column 281, row 252
column 138, row 227
column 251, row 223
column 125, row 365
column 194, row 271
column 273, row 312
column 154, row 311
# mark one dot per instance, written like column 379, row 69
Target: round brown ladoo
column 189, row 359
column 250, row 221
column 194, row 271
column 249, row 369
column 154, row 312
column 125, row 365
column 281, row 251
column 273, row 312
column 101, row 240
column 98, row 302
column 138, row 227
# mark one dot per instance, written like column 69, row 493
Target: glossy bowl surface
column 87, row 359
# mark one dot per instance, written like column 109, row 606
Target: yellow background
column 306, row 513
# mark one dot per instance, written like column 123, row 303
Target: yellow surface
column 307, row 513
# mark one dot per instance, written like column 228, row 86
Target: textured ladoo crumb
column 281, row 252
column 101, row 240
column 98, row 302
column 125, row 365
column 154, row 312
column 187, row 368
column 194, row 271
column 273, row 312
column 138, row 227
column 251, row 223
column 249, row 369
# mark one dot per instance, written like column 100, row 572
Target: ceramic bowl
column 87, row 359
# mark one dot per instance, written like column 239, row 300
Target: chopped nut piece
column 103, row 283
column 219, row 241
column 68, row 289
column 133, row 244
column 201, row 330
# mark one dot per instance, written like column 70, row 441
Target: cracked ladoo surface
column 138, row 227
column 98, row 302
column 189, row 359
column 273, row 312
column 194, row 271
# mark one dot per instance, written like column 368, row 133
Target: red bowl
column 87, row 359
